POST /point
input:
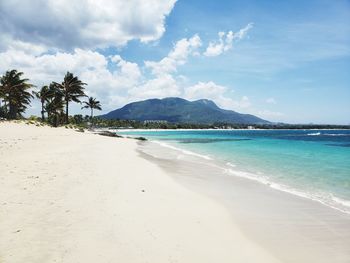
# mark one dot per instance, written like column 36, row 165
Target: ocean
column 313, row 164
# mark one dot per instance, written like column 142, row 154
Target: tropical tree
column 72, row 89
column 14, row 93
column 43, row 95
column 54, row 104
column 92, row 104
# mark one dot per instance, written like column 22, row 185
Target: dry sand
column 79, row 197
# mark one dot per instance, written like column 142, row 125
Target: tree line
column 55, row 98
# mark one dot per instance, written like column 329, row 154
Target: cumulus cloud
column 217, row 93
column 90, row 66
column 205, row 90
column 68, row 24
column 225, row 41
column 159, row 87
column 176, row 57
column 114, row 80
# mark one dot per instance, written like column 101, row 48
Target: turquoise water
column 310, row 163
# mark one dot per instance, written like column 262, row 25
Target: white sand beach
column 80, row 197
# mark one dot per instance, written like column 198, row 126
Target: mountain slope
column 181, row 111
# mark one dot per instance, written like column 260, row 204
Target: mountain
column 181, row 111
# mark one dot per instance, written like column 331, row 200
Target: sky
column 284, row 61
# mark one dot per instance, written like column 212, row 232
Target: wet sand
column 292, row 228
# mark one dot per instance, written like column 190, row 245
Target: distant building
column 155, row 121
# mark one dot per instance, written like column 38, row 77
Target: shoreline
column 130, row 130
column 230, row 170
column 81, row 197
column 307, row 224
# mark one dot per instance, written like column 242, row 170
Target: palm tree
column 92, row 104
column 14, row 91
column 43, row 95
column 54, row 104
column 72, row 89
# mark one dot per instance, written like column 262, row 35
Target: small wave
column 314, row 134
column 336, row 134
column 341, row 201
column 326, row 199
column 230, row 164
column 183, row 151
column 327, row 134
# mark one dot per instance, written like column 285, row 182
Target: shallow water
column 309, row 163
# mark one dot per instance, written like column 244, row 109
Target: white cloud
column 176, row 57
column 225, row 41
column 68, row 24
column 113, row 80
column 204, row 90
column 243, row 32
column 90, row 66
column 271, row 101
column 217, row 93
column 159, row 87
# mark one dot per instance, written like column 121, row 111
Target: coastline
column 81, row 197
column 254, row 129
column 291, row 227
column 231, row 170
column 329, row 199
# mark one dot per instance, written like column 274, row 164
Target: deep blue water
column 310, row 163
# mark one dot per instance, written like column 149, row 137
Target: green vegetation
column 178, row 110
column 14, row 94
column 132, row 124
column 92, row 104
column 72, row 90
column 42, row 95
column 15, row 98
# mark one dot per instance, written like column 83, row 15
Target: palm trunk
column 92, row 115
column 12, row 111
column 55, row 122
column 67, row 112
column 42, row 111
column 5, row 109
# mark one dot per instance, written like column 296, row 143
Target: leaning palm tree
column 43, row 95
column 72, row 89
column 15, row 94
column 54, row 104
column 92, row 104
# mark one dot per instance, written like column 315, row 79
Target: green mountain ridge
column 178, row 110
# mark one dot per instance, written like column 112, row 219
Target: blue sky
column 283, row 60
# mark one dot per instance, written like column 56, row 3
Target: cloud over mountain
column 68, row 24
